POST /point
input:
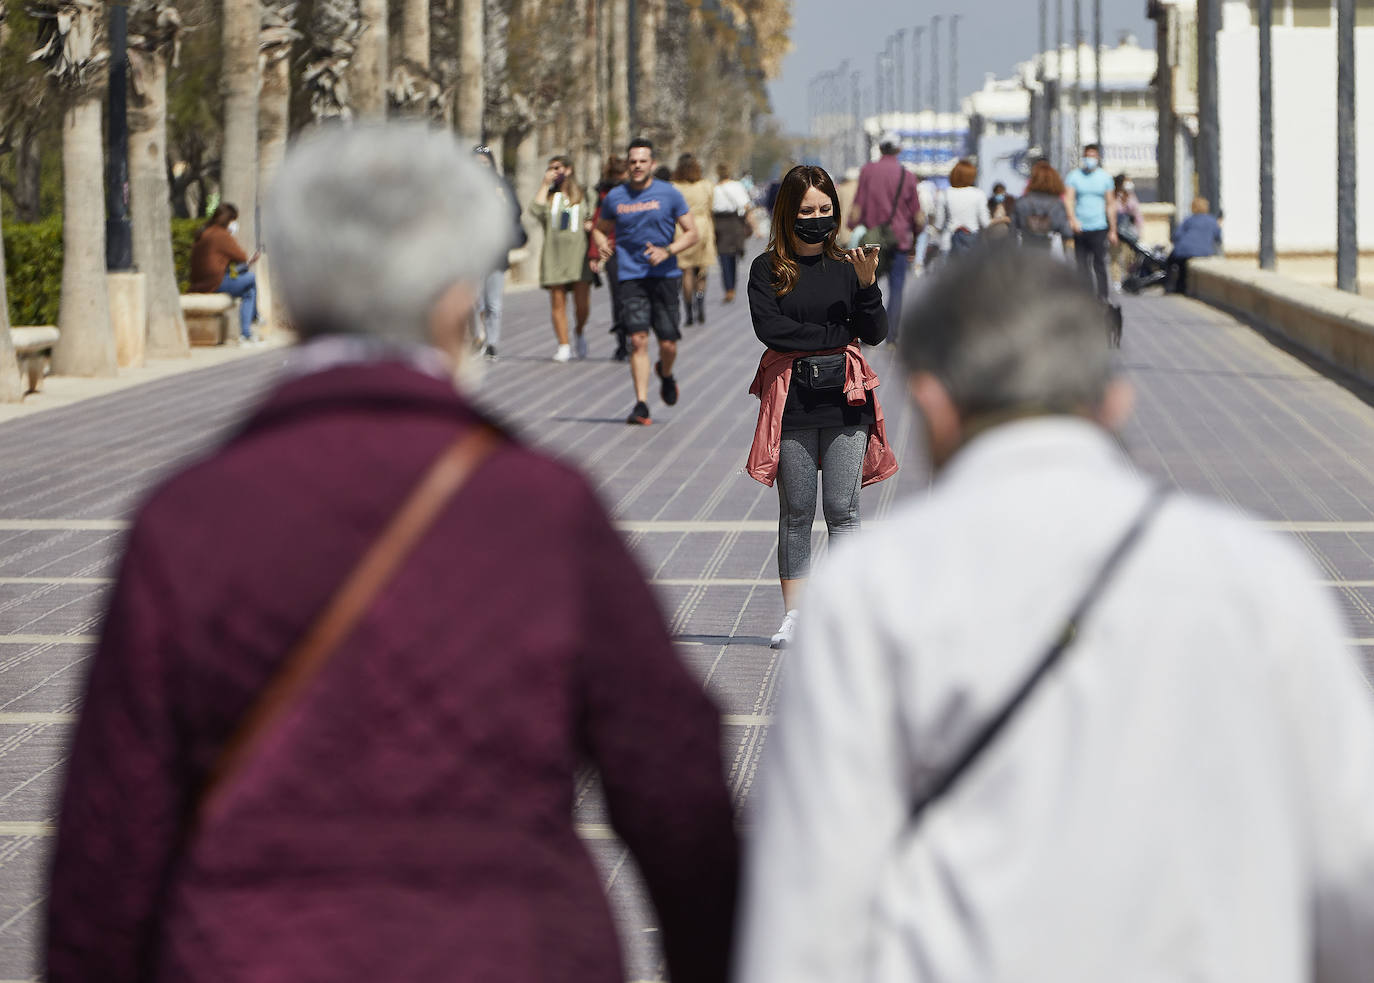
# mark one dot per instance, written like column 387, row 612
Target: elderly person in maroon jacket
column 886, row 199
column 404, row 810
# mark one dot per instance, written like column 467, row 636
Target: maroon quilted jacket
column 410, row 817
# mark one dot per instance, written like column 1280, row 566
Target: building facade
column 1304, row 87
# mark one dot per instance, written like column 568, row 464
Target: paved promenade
column 1221, row 411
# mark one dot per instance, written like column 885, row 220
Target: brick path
column 1221, row 411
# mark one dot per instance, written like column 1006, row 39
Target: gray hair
column 367, row 226
column 1007, row 329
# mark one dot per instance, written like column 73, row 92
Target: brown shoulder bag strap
column 446, row 476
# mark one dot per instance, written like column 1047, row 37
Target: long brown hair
column 570, row 186
column 1045, row 179
column 224, row 214
column 782, row 238
column 688, row 170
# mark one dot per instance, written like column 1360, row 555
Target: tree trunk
column 471, row 95
column 415, row 32
column 239, row 170
column 274, row 111
column 152, row 208
column 273, row 126
column 369, row 72
column 646, row 69
column 11, row 386
column 28, row 177
column 87, row 346
column 620, row 74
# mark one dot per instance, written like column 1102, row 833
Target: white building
column 931, row 142
column 1304, row 74
column 1009, row 121
column 1130, row 120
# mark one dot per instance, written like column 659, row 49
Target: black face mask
column 814, row 230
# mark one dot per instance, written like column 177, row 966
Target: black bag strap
column 1048, row 661
column 897, row 198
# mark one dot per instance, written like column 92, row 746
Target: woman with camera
column 812, row 303
column 561, row 208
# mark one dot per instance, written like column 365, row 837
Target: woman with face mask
column 220, row 266
column 812, row 303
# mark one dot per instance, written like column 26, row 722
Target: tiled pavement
column 1220, row 411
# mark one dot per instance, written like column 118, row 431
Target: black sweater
column 826, row 309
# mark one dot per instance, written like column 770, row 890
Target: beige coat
column 698, row 195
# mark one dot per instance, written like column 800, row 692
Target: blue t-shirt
column 644, row 218
column 1198, row 235
column 1091, row 191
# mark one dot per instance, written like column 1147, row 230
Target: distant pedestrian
column 1000, row 209
column 219, row 265
column 730, row 218
column 695, row 262
column 1197, row 235
column 962, row 214
column 356, row 658
column 1130, row 222
column 561, row 207
column 612, row 175
column 812, row 303
column 890, row 209
column 1048, row 723
column 1092, row 213
column 645, row 215
column 491, row 299
column 1040, row 215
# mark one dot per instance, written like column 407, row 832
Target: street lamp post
column 954, row 63
column 1041, row 135
column 1209, row 123
column 901, row 70
column 1267, row 258
column 935, row 63
column 1347, row 241
column 1097, row 67
column 1077, row 79
column 119, row 239
column 1058, row 155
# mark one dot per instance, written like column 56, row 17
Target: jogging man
column 1092, row 214
column 645, row 215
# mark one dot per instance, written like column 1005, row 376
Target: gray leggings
column 838, row 453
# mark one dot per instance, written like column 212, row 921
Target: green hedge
column 33, row 266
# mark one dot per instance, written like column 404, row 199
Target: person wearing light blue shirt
column 1092, row 215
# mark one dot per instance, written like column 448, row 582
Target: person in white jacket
column 1188, row 794
column 962, row 214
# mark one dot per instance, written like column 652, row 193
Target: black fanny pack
column 820, row 373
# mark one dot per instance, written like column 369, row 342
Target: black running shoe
column 639, row 415
column 667, row 385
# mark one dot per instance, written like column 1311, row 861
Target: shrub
column 33, row 266
column 33, row 270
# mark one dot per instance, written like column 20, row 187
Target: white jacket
column 965, row 208
column 1188, row 797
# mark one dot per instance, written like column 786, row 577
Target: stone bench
column 211, row 319
column 34, row 346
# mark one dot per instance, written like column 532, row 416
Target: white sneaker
column 783, row 638
column 564, row 354
column 580, row 346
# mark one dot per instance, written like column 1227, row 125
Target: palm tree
column 11, row 389
column 240, row 81
column 71, row 45
column 334, row 29
column 154, row 44
column 278, row 35
column 368, row 78
column 274, row 116
column 471, row 94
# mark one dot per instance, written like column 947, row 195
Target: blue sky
column 993, row 36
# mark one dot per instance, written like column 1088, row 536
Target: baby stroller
column 1149, row 268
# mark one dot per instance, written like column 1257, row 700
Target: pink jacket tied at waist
column 770, row 386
